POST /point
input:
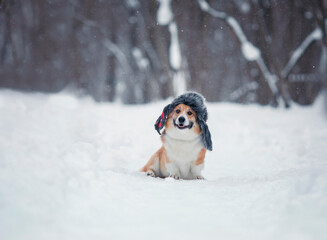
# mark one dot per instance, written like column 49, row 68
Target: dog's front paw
column 175, row 176
column 150, row 173
column 200, row 177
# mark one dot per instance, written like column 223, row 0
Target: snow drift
column 69, row 170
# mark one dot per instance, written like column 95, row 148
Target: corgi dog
column 185, row 139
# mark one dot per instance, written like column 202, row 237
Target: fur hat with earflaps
column 196, row 102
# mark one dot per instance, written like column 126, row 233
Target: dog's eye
column 178, row 111
column 189, row 113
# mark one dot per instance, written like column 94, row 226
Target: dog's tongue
column 181, row 125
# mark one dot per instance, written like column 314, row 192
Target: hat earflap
column 205, row 135
column 161, row 121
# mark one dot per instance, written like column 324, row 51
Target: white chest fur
column 183, row 153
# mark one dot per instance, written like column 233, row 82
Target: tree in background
column 319, row 10
column 137, row 51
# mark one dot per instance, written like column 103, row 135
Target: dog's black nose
column 181, row 119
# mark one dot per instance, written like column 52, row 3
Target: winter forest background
column 137, row 51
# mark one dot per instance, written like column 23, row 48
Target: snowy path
column 68, row 170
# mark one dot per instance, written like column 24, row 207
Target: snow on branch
column 206, row 8
column 249, row 51
column 120, row 56
column 237, row 29
column 165, row 17
column 240, row 92
column 141, row 61
column 175, row 57
column 164, row 14
column 297, row 54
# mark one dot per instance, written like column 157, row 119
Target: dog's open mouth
column 182, row 126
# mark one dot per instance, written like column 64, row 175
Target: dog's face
column 182, row 123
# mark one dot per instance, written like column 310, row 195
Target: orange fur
column 201, row 156
column 161, row 156
column 149, row 165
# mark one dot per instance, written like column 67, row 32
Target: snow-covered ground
column 69, row 170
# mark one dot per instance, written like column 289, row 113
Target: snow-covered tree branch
column 137, row 51
column 165, row 17
column 253, row 53
column 249, row 51
column 298, row 52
